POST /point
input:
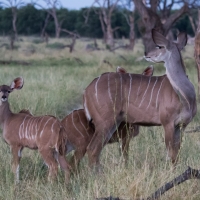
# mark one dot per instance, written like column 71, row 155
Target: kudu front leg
column 173, row 137
column 16, row 153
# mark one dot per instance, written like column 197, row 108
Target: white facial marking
column 145, row 92
column 75, row 125
column 152, row 92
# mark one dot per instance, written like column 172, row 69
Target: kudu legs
column 78, row 155
column 173, row 136
column 101, row 136
column 16, row 153
column 49, row 159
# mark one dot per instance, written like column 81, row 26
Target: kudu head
column 5, row 90
column 165, row 48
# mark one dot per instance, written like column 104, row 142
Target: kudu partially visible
column 168, row 100
column 22, row 129
column 79, row 132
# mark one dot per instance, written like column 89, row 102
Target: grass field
column 54, row 84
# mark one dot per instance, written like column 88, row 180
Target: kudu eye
column 9, row 91
column 158, row 47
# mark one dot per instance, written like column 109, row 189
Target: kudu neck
column 5, row 112
column 176, row 74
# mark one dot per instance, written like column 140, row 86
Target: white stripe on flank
column 139, row 88
column 36, row 127
column 121, row 81
column 109, row 93
column 145, row 92
column 82, row 123
column 152, row 92
column 96, row 89
column 130, row 88
column 45, row 126
column 52, row 126
column 75, row 125
column 87, row 111
column 21, row 128
column 159, row 93
column 34, row 131
column 27, row 126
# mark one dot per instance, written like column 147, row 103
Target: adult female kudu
column 20, row 130
column 79, row 132
column 167, row 100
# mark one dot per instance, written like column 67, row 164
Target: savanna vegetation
column 54, row 84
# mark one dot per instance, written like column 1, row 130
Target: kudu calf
column 79, row 132
column 22, row 129
column 167, row 100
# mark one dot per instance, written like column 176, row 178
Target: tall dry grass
column 54, row 83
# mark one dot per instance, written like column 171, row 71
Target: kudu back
column 79, row 132
column 168, row 100
column 22, row 129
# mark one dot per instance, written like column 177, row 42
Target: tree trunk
column 131, row 34
column 102, row 27
column 57, row 25
column 109, row 35
column 45, row 25
column 197, row 53
column 14, row 13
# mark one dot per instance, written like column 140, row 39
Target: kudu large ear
column 159, row 39
column 121, row 70
column 17, row 83
column 148, row 71
column 181, row 40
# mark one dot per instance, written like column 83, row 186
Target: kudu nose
column 4, row 98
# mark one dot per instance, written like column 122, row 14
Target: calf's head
column 5, row 90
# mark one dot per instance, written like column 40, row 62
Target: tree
column 14, row 5
column 156, row 14
column 52, row 10
column 105, row 13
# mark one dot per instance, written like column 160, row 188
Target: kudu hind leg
column 16, row 153
column 49, row 159
column 65, row 167
column 76, row 158
column 173, row 136
column 100, row 138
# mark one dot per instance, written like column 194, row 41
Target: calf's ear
column 17, row 83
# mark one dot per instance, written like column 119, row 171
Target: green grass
column 54, row 84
